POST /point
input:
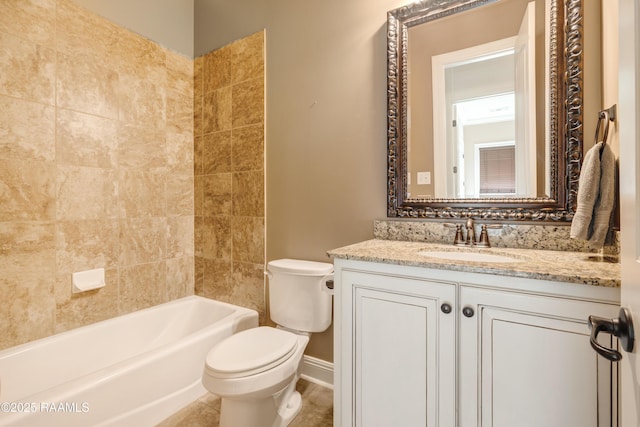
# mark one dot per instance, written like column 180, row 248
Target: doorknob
column 621, row 327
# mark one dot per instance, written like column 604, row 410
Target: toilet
column 255, row 371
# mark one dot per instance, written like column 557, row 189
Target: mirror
column 486, row 121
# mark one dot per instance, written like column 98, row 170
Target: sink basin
column 468, row 256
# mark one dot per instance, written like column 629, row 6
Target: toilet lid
column 250, row 352
column 300, row 267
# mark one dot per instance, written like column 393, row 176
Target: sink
column 468, row 256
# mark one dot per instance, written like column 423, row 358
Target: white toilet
column 255, row 371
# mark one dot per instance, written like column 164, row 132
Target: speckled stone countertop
column 561, row 266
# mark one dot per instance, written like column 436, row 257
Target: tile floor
column 317, row 409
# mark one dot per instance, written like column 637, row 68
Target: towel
column 596, row 189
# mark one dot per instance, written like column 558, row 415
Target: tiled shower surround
column 97, row 170
column 229, row 173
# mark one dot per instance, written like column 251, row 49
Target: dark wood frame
column 566, row 106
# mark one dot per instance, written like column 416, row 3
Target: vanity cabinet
column 428, row 347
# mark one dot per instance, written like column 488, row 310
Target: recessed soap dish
column 88, row 280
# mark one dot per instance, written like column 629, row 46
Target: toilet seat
column 250, row 352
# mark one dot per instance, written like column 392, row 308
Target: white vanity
column 423, row 340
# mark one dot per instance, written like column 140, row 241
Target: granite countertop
column 572, row 267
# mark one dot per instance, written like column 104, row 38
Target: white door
column 629, row 128
column 525, row 91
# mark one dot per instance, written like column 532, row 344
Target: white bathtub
column 132, row 370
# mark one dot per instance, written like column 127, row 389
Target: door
column 525, row 96
column 451, row 70
column 629, row 128
column 521, row 352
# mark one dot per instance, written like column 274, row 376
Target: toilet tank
column 298, row 298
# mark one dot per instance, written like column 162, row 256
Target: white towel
column 595, row 196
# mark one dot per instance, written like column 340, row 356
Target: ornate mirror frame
column 566, row 104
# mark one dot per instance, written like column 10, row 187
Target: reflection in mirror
column 477, row 114
column 483, row 105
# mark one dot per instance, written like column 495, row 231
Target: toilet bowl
column 255, row 371
column 254, row 386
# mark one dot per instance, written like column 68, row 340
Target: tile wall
column 96, row 170
column 229, row 117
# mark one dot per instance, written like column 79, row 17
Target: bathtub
column 132, row 370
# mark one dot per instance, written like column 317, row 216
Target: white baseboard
column 317, row 371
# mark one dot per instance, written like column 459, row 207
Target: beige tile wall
column 96, row 170
column 229, row 173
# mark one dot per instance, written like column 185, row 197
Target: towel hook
column 608, row 115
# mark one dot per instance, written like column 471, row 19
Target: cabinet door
column 526, row 360
column 403, row 344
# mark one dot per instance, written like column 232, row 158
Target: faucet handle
column 484, row 237
column 459, row 237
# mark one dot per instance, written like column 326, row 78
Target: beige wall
column 593, row 67
column 96, row 169
column 229, row 173
column 610, row 60
column 219, row 22
column 326, row 129
column 168, row 22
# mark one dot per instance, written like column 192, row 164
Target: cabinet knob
column 446, row 308
column 468, row 311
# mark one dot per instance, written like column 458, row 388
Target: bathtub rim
column 19, row 348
